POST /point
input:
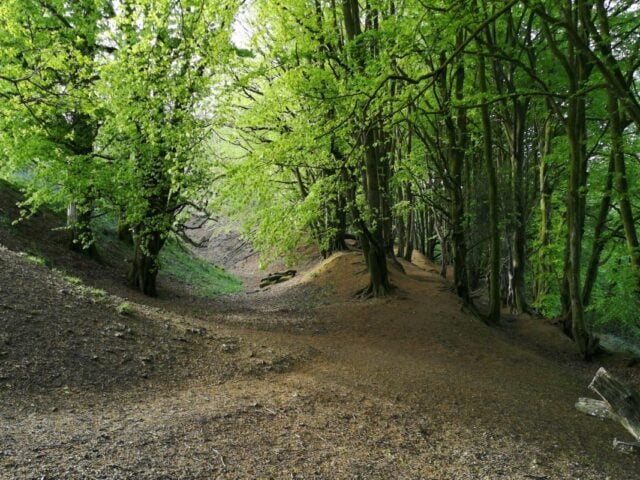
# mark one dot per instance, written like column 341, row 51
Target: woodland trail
column 304, row 381
column 413, row 387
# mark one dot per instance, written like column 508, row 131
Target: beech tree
column 155, row 87
column 107, row 105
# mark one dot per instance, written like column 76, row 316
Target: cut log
column 596, row 408
column 277, row 277
column 620, row 403
column 624, row 401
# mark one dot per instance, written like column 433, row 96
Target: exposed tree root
column 371, row 291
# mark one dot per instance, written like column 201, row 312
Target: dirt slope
column 300, row 381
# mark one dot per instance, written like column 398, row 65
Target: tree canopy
column 497, row 138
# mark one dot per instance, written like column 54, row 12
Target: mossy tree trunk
column 578, row 70
column 543, row 265
column 493, row 316
column 457, row 139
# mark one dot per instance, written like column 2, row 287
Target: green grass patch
column 207, row 280
column 37, row 260
column 72, row 280
column 97, row 293
column 124, row 309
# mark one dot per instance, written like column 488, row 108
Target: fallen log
column 619, row 403
column 277, row 277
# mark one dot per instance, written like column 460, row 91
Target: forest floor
column 300, row 381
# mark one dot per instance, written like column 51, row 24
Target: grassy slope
column 207, row 279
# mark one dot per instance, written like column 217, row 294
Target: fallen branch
column 619, row 403
column 277, row 277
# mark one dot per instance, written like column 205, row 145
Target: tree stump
column 619, row 403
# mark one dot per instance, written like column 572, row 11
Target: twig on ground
column 224, row 465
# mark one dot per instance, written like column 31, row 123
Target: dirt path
column 299, row 382
column 444, row 396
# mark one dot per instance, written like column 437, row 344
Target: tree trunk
column 514, row 123
column 599, row 240
column 400, row 229
column 376, row 259
column 578, row 70
column 565, row 295
column 82, row 237
column 444, row 249
column 493, row 315
column 621, row 185
column 543, row 268
column 431, row 238
column 373, row 242
column 420, row 228
column 458, row 234
column 580, row 331
column 145, row 263
column 518, row 226
column 576, row 133
column 456, row 145
column 338, row 243
column 408, row 247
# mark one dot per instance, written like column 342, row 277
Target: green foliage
column 616, row 303
column 124, row 309
column 155, row 92
column 106, row 106
column 48, row 117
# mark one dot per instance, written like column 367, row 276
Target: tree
column 155, row 87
